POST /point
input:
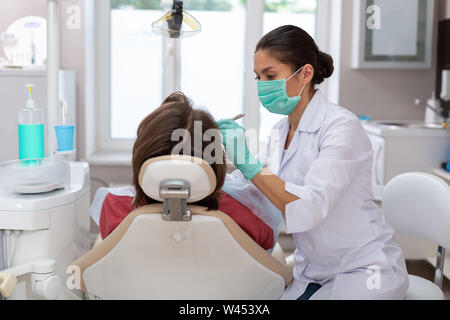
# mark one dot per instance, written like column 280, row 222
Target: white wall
column 13, row 10
column 382, row 94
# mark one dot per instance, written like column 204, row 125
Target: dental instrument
column 239, row 116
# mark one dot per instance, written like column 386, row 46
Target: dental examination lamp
column 176, row 23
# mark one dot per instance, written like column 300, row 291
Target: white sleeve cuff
column 301, row 215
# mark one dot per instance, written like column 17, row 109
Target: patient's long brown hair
column 154, row 139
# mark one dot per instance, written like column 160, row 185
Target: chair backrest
column 209, row 257
column 196, row 172
column 418, row 204
column 206, row 256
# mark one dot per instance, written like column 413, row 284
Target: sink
column 417, row 125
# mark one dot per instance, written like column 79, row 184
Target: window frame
column 98, row 57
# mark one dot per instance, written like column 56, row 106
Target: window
column 212, row 62
column 136, row 69
column 215, row 68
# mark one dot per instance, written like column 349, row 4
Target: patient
column 154, row 139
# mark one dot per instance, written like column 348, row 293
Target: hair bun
column 325, row 67
column 293, row 46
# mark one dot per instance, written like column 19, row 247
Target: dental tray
column 33, row 176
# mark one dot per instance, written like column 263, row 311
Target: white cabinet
column 401, row 149
column 13, row 95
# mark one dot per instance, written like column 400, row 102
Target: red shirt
column 115, row 208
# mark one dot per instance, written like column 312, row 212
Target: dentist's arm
column 345, row 154
column 273, row 188
column 345, row 149
column 233, row 137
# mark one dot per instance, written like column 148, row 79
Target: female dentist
column 318, row 173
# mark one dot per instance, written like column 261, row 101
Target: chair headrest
column 195, row 171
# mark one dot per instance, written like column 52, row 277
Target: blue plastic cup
column 64, row 136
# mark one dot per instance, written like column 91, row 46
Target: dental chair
column 418, row 204
column 174, row 250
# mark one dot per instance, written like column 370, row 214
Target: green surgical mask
column 274, row 97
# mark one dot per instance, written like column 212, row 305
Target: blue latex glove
column 233, row 138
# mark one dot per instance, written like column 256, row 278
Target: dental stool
column 418, row 204
column 174, row 250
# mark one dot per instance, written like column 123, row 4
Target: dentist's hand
column 233, row 138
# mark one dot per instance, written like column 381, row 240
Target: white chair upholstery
column 278, row 253
column 418, row 204
column 195, row 171
column 422, row 289
column 208, row 257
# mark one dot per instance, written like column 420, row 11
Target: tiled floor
column 419, row 268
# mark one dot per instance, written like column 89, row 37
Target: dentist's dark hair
column 294, row 46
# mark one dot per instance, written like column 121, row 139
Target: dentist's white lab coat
column 342, row 240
